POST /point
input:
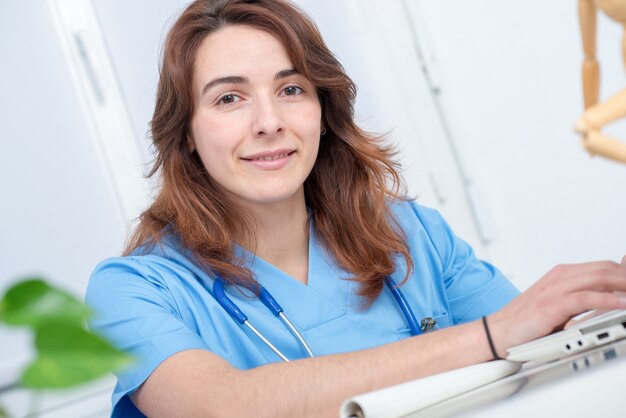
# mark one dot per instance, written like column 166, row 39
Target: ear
column 191, row 145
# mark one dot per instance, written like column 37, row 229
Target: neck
column 282, row 236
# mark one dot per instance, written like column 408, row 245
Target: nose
column 268, row 120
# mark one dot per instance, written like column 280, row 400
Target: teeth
column 275, row 157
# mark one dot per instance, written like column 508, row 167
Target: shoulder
column 427, row 231
column 412, row 216
column 148, row 270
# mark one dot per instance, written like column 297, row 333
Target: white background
column 480, row 97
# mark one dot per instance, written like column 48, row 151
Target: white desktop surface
column 591, row 384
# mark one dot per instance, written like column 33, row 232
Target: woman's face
column 257, row 121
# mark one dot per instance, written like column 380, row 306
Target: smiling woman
column 274, row 204
column 244, row 80
column 257, row 124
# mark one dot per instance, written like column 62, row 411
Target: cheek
column 214, row 142
column 309, row 126
column 215, row 155
column 307, row 120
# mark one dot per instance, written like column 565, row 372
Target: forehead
column 239, row 50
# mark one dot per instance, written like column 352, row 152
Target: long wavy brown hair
column 348, row 191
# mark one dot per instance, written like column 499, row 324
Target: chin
column 275, row 198
column 271, row 200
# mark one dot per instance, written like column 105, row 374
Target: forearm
column 316, row 387
column 199, row 383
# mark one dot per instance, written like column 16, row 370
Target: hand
column 566, row 291
column 582, row 126
column 596, row 312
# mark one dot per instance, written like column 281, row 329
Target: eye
column 228, row 99
column 292, row 90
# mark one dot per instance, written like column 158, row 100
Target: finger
column 580, row 302
column 569, row 269
column 564, row 272
column 559, row 276
column 606, row 278
column 624, row 260
column 586, row 316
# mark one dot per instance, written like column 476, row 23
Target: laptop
column 583, row 336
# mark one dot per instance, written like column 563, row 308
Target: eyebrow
column 237, row 79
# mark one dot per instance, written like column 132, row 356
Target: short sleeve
column 474, row 287
column 135, row 311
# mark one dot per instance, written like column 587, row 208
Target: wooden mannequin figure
column 599, row 114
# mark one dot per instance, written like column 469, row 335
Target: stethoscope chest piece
column 428, row 324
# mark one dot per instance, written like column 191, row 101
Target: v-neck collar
column 323, row 299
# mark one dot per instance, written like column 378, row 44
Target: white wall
column 510, row 73
column 375, row 43
column 506, row 77
column 58, row 213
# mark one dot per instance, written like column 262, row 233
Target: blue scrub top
column 158, row 304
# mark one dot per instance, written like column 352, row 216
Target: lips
column 269, row 155
column 270, row 160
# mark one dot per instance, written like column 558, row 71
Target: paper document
column 399, row 400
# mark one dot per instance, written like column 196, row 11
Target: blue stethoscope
column 271, row 304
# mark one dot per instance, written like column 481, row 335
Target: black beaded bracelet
column 493, row 349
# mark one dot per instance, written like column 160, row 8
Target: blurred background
column 479, row 97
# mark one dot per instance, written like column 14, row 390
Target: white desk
column 591, row 384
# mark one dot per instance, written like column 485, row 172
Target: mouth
column 270, row 160
column 269, row 155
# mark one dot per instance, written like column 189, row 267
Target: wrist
column 494, row 337
column 494, row 354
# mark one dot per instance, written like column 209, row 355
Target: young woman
column 269, row 186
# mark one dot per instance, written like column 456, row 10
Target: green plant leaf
column 34, row 303
column 68, row 356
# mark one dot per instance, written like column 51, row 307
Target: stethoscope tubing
column 272, row 305
column 404, row 306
